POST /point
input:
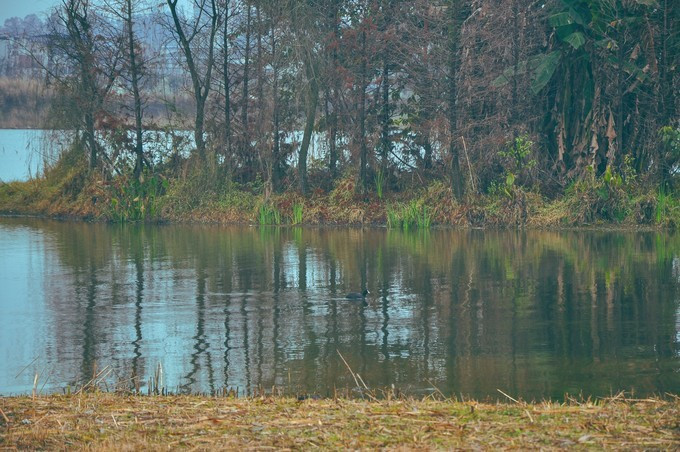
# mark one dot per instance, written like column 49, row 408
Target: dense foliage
column 499, row 97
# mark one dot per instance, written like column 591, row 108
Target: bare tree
column 194, row 40
column 133, row 72
column 457, row 14
column 93, row 52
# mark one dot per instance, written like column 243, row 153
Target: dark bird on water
column 357, row 295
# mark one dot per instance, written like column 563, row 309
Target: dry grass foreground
column 103, row 421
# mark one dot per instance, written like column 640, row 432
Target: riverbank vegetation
column 103, row 421
column 404, row 113
column 69, row 190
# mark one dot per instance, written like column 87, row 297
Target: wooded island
column 405, row 113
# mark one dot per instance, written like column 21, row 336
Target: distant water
column 24, row 152
column 20, row 157
column 535, row 314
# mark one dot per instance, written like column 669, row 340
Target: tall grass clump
column 134, row 201
column 267, row 214
column 296, row 217
column 409, row 216
column 393, row 218
column 666, row 211
column 379, row 183
column 661, row 205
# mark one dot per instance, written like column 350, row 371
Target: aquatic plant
column 268, row 214
column 133, row 201
column 379, row 183
column 409, row 216
column 296, row 217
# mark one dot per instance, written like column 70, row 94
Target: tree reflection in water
column 536, row 314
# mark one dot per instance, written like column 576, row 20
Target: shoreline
column 437, row 227
column 106, row 421
column 69, row 191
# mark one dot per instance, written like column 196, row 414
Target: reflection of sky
column 18, row 8
column 22, row 306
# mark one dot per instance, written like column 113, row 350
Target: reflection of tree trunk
column 200, row 345
column 260, row 344
column 139, row 297
column 363, row 271
column 246, row 342
column 594, row 331
column 227, row 339
column 89, row 327
column 302, row 259
column 427, row 308
column 332, row 336
column 279, row 355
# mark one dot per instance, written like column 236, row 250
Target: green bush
column 594, row 199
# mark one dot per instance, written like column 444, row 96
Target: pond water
column 24, row 153
column 534, row 314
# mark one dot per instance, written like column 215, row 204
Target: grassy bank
column 74, row 195
column 107, row 421
column 69, row 190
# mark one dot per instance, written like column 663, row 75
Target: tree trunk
column 617, row 157
column 363, row 151
column 201, row 87
column 455, row 32
column 265, row 156
column 310, row 107
column 333, row 119
column 90, row 138
column 276, row 149
column 246, row 69
column 669, row 37
column 227, row 94
column 135, row 76
column 386, row 144
column 198, row 127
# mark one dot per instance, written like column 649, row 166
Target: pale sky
column 22, row 8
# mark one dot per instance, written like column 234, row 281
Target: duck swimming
column 357, row 295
